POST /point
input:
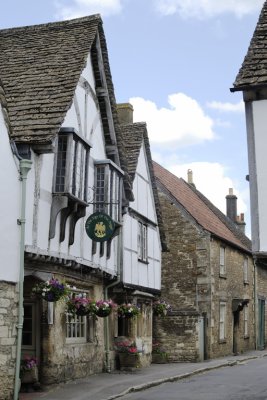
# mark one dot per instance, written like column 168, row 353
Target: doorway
column 261, row 324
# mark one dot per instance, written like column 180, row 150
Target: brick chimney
column 231, row 205
column 125, row 113
column 190, row 178
column 231, row 211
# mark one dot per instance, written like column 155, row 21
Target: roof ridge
column 55, row 24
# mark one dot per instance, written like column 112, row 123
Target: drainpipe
column 255, row 304
column 24, row 168
column 118, row 280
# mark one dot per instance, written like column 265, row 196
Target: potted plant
column 79, row 305
column 159, row 355
column 102, row 308
column 28, row 370
column 51, row 290
column 128, row 310
column 128, row 354
column 161, row 307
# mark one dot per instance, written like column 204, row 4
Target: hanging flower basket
column 128, row 310
column 161, row 308
column 103, row 308
column 79, row 305
column 51, row 290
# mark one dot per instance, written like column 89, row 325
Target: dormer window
column 108, row 188
column 71, row 166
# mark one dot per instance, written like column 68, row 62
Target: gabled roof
column 134, row 135
column 200, row 208
column 253, row 72
column 40, row 67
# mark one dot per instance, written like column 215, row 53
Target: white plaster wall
column 88, row 124
column 260, row 137
column 9, row 209
column 134, row 271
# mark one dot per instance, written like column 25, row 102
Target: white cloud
column 208, row 8
column 211, row 180
column 81, row 8
column 227, row 107
column 183, row 123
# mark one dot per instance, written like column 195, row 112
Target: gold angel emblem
column 100, row 230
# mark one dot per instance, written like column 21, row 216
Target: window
column 222, row 261
column 142, row 241
column 108, row 188
column 246, row 334
column 71, row 167
column 79, row 329
column 222, row 334
column 245, row 270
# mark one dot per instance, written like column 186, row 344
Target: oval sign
column 99, row 227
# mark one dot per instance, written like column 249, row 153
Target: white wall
column 259, row 201
column 85, row 118
column 136, row 272
column 9, row 209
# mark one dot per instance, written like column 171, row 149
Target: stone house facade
column 207, row 276
column 251, row 80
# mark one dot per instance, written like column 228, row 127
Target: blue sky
column 175, row 61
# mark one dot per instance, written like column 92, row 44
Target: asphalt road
column 246, row 381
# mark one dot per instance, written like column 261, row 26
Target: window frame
column 74, row 166
column 246, row 321
column 222, row 261
column 222, row 321
column 245, row 270
column 86, row 323
column 109, row 193
column 142, row 241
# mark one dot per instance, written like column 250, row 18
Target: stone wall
column 8, row 335
column 227, row 288
column 178, row 335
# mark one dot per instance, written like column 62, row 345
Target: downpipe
column 24, row 168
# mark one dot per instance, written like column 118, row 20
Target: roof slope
column 200, row 208
column 134, row 134
column 253, row 72
column 40, row 66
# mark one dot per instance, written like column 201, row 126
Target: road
column 246, row 381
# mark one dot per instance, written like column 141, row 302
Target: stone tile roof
column 200, row 208
column 133, row 136
column 253, row 72
column 40, row 67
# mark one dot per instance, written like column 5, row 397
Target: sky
column 175, row 62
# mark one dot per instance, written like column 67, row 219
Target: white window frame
column 142, row 241
column 222, row 261
column 222, row 320
column 108, row 188
column 245, row 269
column 79, row 329
column 71, row 165
column 246, row 318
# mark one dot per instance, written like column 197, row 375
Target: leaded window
column 71, row 167
column 142, row 241
column 108, row 188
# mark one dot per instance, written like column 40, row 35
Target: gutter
column 24, row 168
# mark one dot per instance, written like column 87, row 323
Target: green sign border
column 101, row 219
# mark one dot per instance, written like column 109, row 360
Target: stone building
column 207, row 275
column 252, row 82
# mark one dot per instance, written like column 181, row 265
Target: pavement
column 109, row 386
